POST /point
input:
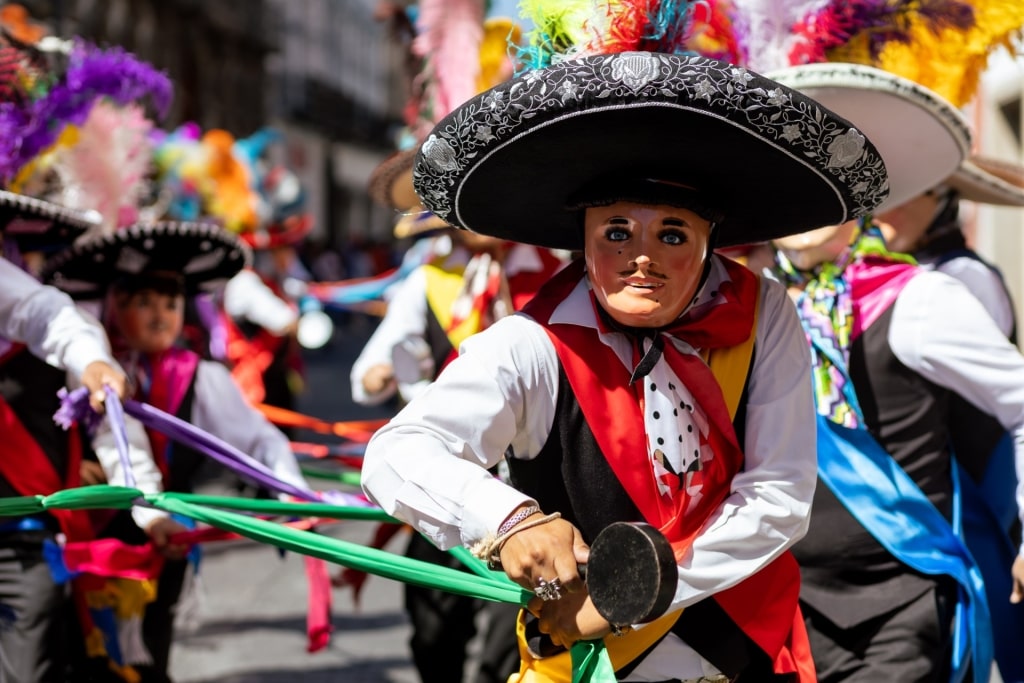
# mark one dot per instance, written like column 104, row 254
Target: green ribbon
column 590, row 662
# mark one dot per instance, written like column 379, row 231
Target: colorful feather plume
column 943, row 45
column 29, row 127
column 561, row 28
column 938, row 47
column 648, row 26
column 567, row 30
column 763, row 29
column 448, row 31
column 107, row 166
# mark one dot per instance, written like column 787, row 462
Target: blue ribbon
column 989, row 510
column 887, row 502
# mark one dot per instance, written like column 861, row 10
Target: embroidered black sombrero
column 38, row 225
column 204, row 254
column 774, row 161
column 922, row 137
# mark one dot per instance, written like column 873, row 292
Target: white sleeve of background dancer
column 940, row 330
column 406, row 319
column 47, row 321
column 220, row 409
column 148, row 478
column 428, row 465
column 768, row 509
column 246, row 296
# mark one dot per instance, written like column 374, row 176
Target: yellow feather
column 950, row 62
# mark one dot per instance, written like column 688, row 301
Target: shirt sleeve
column 148, row 478
column 404, row 323
column 221, row 410
column 247, row 297
column 47, row 321
column 986, row 285
column 768, row 509
column 428, row 465
column 941, row 331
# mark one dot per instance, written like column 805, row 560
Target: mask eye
column 616, row 234
column 673, row 237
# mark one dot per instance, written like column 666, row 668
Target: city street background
column 249, row 625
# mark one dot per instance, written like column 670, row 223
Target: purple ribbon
column 115, row 413
column 75, row 407
column 219, row 450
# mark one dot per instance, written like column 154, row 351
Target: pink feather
column 450, row 33
column 107, row 168
column 764, row 29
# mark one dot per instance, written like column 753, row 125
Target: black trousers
column 910, row 644
column 36, row 612
column 444, row 623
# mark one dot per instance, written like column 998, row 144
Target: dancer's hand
column 96, row 375
column 1017, row 594
column 548, row 551
column 160, row 531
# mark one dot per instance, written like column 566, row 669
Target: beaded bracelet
column 494, row 552
column 519, row 516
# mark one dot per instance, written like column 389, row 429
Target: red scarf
column 763, row 605
column 28, row 469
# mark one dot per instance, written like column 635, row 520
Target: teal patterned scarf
column 826, row 309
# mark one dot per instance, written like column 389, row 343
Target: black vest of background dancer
column 847, row 575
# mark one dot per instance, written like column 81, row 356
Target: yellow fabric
column 949, row 62
column 442, row 288
column 621, row 650
column 730, row 367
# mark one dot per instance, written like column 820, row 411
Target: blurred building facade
column 325, row 72
column 997, row 118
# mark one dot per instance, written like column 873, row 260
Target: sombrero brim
column 505, row 162
column 922, row 137
column 205, row 254
column 989, row 181
column 390, row 183
column 417, row 223
column 37, row 225
column 288, row 233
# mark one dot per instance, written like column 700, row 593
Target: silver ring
column 548, row 590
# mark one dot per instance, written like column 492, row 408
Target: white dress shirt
column 247, row 297
column 47, row 321
column 401, row 334
column 428, row 466
column 984, row 283
column 941, row 331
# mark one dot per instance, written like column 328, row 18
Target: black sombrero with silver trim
column 922, row 137
column 205, row 255
column 38, row 225
column 774, row 161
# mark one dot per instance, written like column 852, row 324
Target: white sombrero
column 989, row 181
column 922, row 138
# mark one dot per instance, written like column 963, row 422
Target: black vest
column 183, row 462
column 847, row 575
column 571, row 475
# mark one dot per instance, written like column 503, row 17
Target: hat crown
column 752, row 108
